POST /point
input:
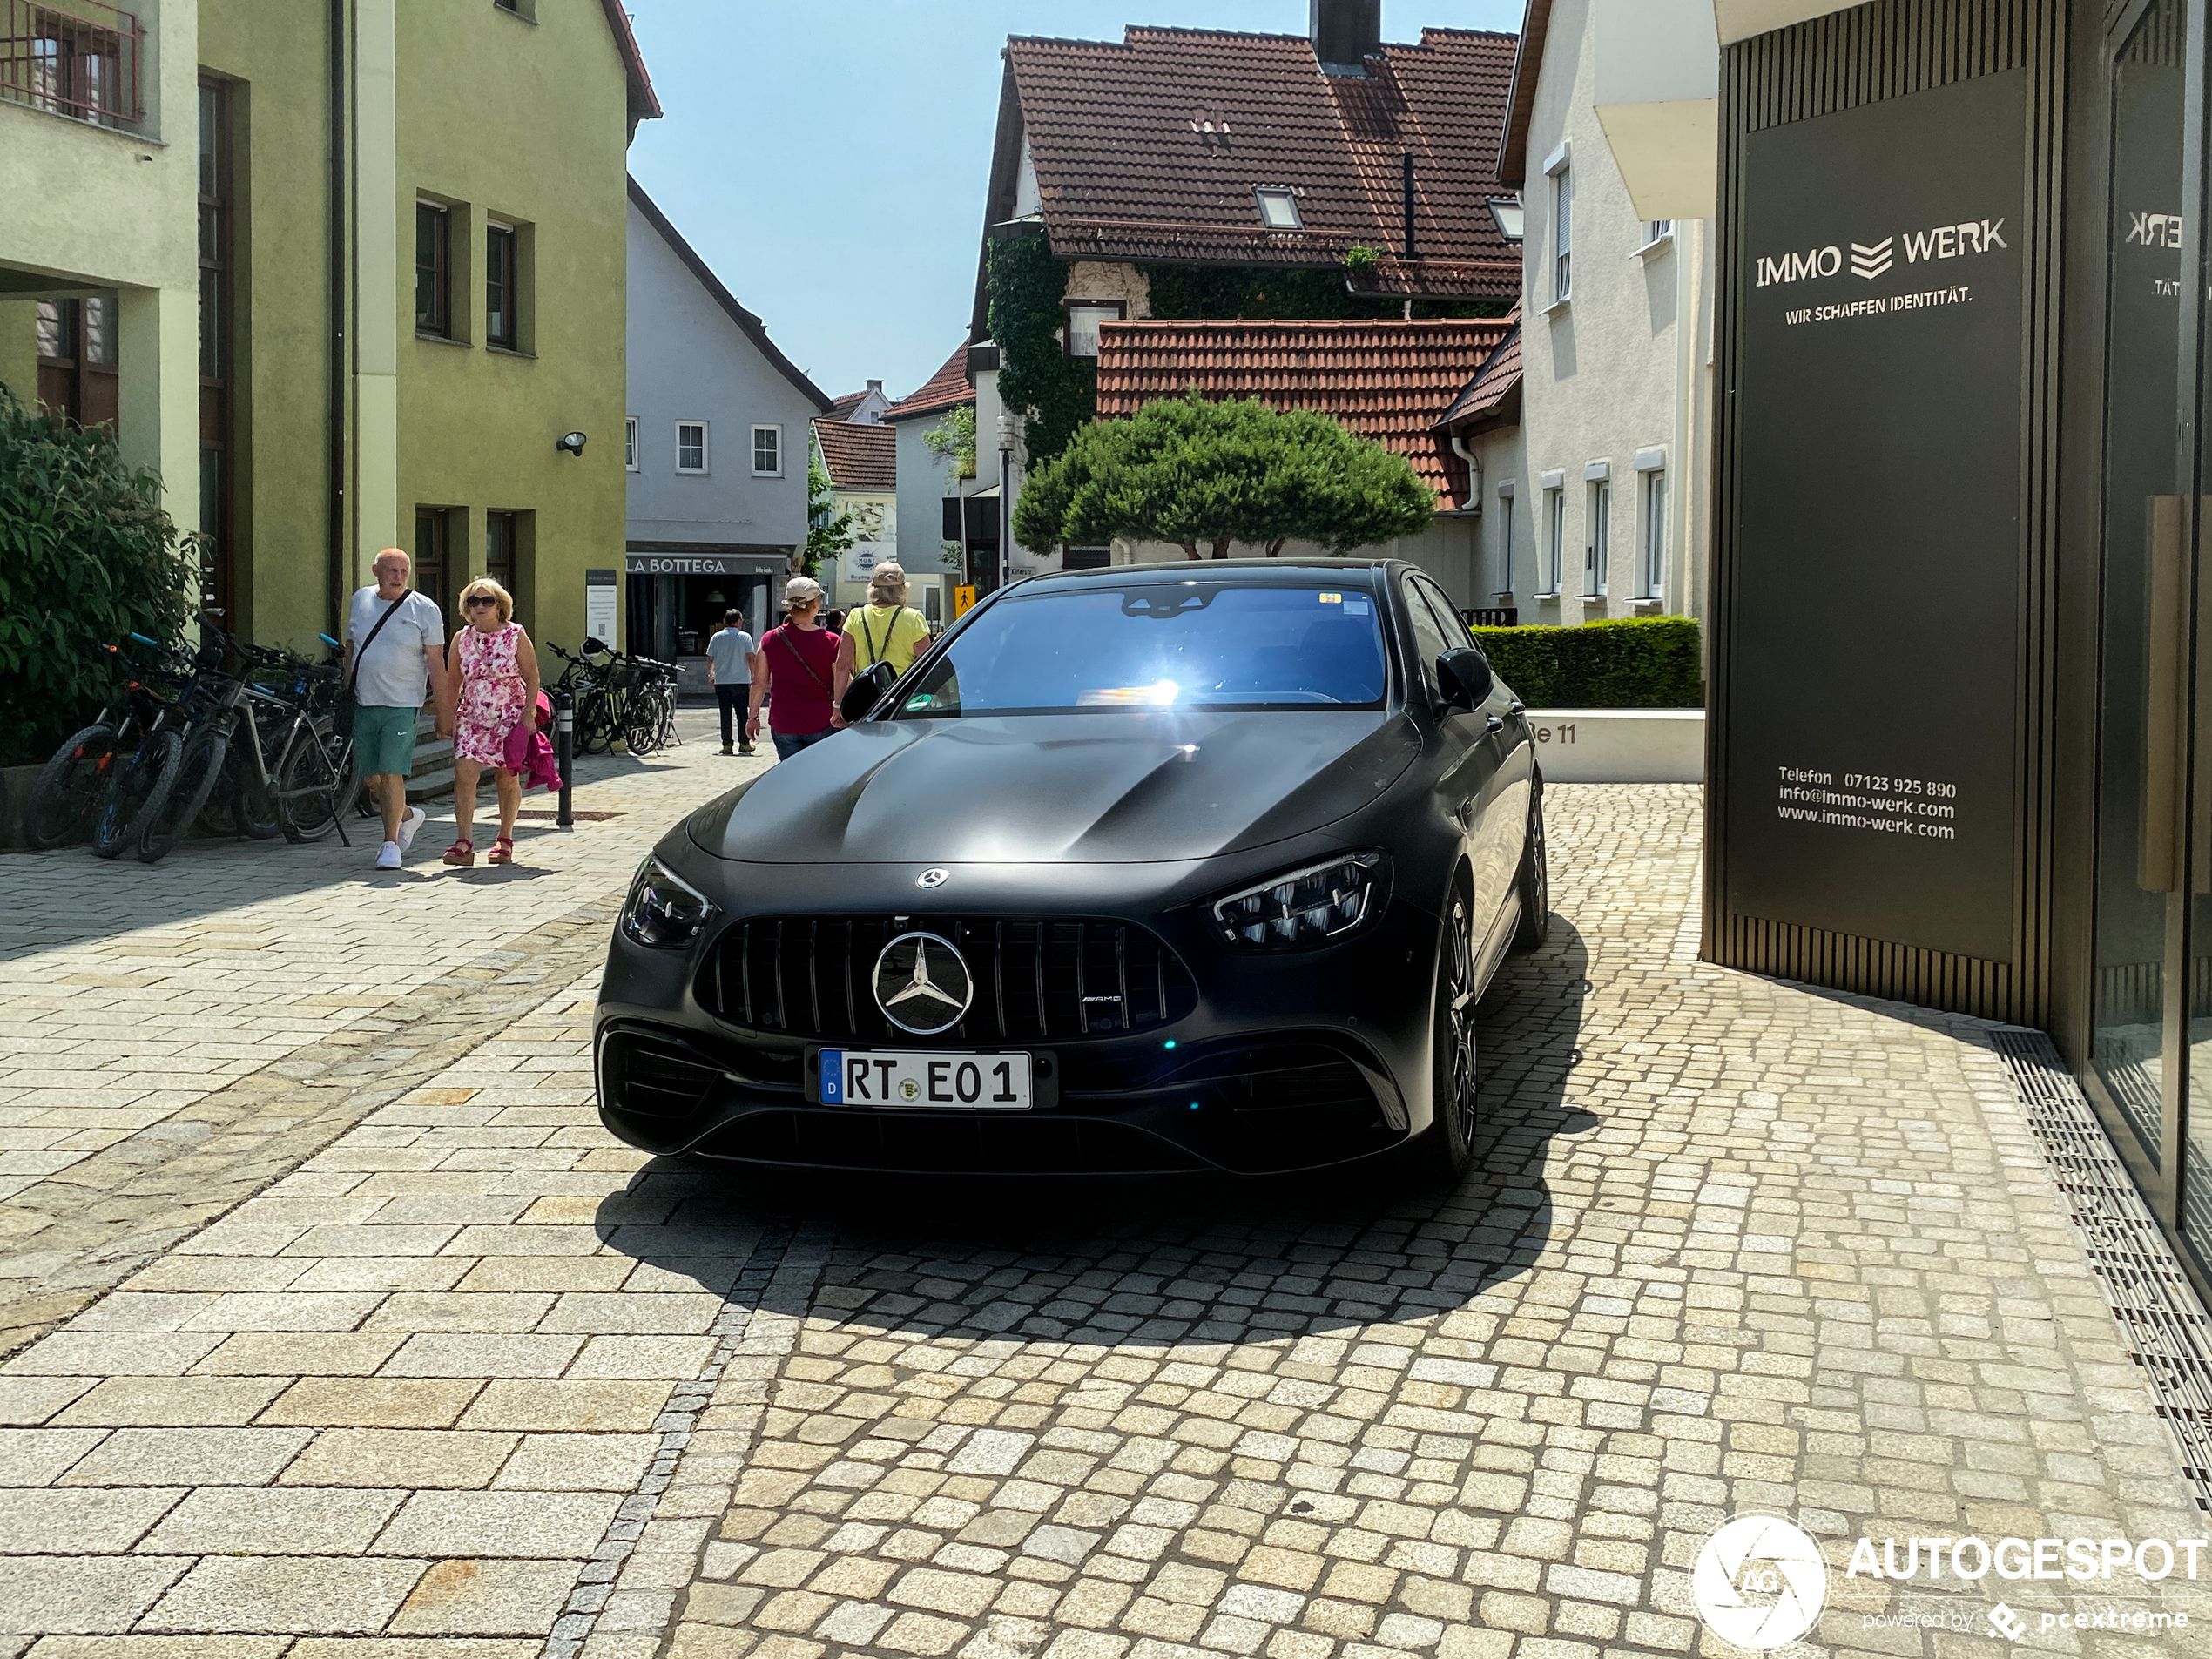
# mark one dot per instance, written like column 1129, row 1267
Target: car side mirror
column 865, row 691
column 1465, row 677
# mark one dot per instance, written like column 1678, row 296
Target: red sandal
column 502, row 850
column 461, row 852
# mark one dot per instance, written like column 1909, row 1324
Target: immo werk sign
column 1872, row 769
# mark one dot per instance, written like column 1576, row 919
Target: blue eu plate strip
column 831, row 1066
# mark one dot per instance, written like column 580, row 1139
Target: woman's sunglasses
column 475, row 599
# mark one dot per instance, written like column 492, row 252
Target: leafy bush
column 1628, row 663
column 1188, row 470
column 86, row 552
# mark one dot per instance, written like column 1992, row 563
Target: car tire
column 1442, row 1152
column 1533, row 884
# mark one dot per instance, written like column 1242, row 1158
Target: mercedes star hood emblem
column 933, row 877
column 922, row 983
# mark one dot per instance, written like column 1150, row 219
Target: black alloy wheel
column 69, row 787
column 141, row 782
column 1441, row 1153
column 1534, row 883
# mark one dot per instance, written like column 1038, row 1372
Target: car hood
column 1060, row 788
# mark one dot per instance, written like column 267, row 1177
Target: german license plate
column 959, row 1082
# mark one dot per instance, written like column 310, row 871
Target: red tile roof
column 1127, row 171
column 1493, row 397
column 947, row 389
column 645, row 103
column 858, row 457
column 841, row 408
column 1386, row 381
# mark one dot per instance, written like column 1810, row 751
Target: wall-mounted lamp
column 570, row 444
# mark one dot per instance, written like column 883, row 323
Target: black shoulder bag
column 341, row 717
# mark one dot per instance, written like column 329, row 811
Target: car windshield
column 1159, row 644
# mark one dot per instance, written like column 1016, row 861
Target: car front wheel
column 1534, row 883
column 1441, row 1153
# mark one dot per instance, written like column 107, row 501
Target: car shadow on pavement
column 1159, row 1262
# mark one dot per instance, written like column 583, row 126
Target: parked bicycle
column 61, row 803
column 617, row 697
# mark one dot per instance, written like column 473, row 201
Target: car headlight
column 664, row 912
column 1304, row 907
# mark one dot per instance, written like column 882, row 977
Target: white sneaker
column 388, row 857
column 415, row 819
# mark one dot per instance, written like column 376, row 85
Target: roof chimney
column 1345, row 33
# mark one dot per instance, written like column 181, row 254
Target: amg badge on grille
column 922, row 984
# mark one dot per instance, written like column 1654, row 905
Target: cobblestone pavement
column 174, row 1038
column 474, row 1381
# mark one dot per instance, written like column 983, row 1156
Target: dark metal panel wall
column 1892, row 49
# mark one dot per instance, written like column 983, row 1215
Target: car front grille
column 1036, row 980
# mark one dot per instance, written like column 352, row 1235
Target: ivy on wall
column 1061, row 393
column 1028, row 287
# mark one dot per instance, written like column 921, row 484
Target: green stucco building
column 347, row 271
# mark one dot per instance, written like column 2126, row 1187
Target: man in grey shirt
column 729, row 671
column 395, row 656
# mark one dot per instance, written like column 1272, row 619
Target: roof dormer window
column 1278, row 208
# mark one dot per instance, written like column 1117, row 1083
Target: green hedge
column 1628, row 662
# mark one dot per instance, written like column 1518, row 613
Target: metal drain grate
column 2167, row 1329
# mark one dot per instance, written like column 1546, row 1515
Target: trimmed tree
column 86, row 554
column 1213, row 474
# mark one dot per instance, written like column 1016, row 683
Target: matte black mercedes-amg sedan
column 1152, row 868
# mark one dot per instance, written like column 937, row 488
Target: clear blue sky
column 827, row 157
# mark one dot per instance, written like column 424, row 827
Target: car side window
column 1430, row 641
column 1447, row 614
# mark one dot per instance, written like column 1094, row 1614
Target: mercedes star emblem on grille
column 922, row 984
column 933, row 877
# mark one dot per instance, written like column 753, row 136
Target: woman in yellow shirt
column 886, row 630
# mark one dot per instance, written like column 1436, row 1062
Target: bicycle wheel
column 641, row 730
column 311, row 795
column 191, row 781
column 138, row 783
column 69, row 785
column 254, row 808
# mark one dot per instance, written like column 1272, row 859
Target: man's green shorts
column 383, row 741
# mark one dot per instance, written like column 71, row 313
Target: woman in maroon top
column 793, row 671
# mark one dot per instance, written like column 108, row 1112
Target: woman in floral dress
column 495, row 684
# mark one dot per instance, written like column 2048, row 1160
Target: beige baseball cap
column 801, row 591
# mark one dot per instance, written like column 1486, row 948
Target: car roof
column 1269, row 572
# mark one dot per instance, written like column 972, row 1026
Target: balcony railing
column 1491, row 616
column 81, row 63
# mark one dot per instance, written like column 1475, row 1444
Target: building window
column 1279, row 210
column 72, row 66
column 1505, row 540
column 1085, row 558
column 1601, row 529
column 630, row 444
column 1562, row 234
column 767, row 452
column 1655, row 534
column 501, row 540
column 502, row 291
column 433, row 545
column 76, row 369
column 1657, row 230
column 691, row 446
column 433, row 270
column 1084, row 318
column 1556, row 539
